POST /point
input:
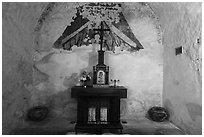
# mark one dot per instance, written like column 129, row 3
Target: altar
column 98, row 108
column 98, row 105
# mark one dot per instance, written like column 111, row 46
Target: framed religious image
column 100, row 75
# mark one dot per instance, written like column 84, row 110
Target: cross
column 101, row 30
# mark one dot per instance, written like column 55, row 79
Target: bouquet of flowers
column 84, row 77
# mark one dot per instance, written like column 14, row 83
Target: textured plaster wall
column 18, row 21
column 182, row 89
column 56, row 71
column 34, row 73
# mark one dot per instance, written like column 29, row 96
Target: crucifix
column 101, row 71
column 101, row 31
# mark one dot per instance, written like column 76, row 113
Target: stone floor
column 148, row 127
column 132, row 127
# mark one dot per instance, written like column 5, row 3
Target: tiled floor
column 132, row 127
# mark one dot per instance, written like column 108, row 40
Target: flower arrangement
column 85, row 77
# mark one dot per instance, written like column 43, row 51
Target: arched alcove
column 58, row 69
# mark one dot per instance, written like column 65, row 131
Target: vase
column 83, row 84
